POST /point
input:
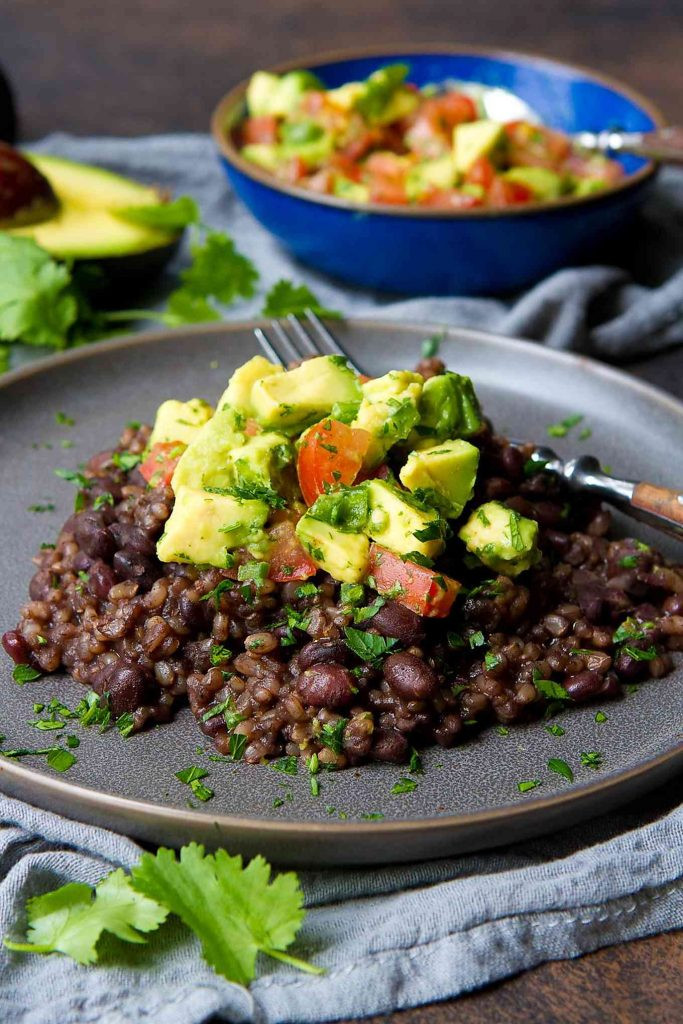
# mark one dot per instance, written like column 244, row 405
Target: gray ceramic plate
column 467, row 797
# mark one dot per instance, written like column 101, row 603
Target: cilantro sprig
column 236, row 911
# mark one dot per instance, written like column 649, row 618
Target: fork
column 660, row 507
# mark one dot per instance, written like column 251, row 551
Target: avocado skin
column 114, row 279
column 8, row 115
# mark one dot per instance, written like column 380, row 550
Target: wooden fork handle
column 661, row 503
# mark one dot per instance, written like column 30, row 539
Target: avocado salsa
column 340, row 569
column 384, row 140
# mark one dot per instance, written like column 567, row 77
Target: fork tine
column 327, row 339
column 267, row 348
column 286, row 344
column 305, row 340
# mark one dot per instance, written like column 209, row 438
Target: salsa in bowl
column 455, row 242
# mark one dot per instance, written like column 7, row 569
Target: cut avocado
column 448, row 408
column 179, row 421
column 501, row 538
column 263, row 154
column 439, row 173
column 205, row 462
column 443, row 476
column 86, row 226
column 388, row 411
column 474, row 139
column 293, row 400
column 544, row 183
column 343, row 555
column 399, row 523
column 203, row 527
column 275, row 95
column 238, row 392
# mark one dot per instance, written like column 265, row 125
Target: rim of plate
column 228, row 104
column 103, row 800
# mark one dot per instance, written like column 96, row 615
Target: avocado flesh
column 473, row 140
column 443, row 475
column 85, row 225
column 501, row 538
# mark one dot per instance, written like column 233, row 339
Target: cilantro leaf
column 38, row 304
column 560, row 767
column 72, row 918
column 172, row 217
column 549, row 688
column 285, row 297
column 235, row 911
column 380, row 87
column 185, row 308
column 218, row 271
column 368, row 646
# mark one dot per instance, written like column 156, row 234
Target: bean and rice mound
column 269, row 661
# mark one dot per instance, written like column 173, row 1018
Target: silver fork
column 660, row 507
column 285, row 346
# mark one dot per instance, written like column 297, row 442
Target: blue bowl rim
column 226, row 107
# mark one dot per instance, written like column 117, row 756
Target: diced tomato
column 386, row 174
column 449, row 199
column 259, row 130
column 346, row 166
column 293, row 170
column 481, row 172
column 252, row 428
column 312, row 101
column 287, row 559
column 330, row 453
column 533, row 145
column 322, row 181
column 159, row 466
column 595, row 166
column 422, row 590
column 431, row 132
column 368, row 139
column 508, row 193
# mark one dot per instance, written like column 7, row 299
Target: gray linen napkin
column 391, row 937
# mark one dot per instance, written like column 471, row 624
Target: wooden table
column 139, row 66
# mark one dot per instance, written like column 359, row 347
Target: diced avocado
column 443, row 476
column 203, row 528
column 260, row 461
column 312, row 152
column 474, row 139
column 345, row 508
column 205, row 462
column 238, row 392
column 179, row 421
column 388, row 411
column 428, row 174
column 587, row 186
column 448, row 408
column 544, row 184
column 264, row 154
column 400, row 523
column 343, row 555
column 354, row 191
column 402, row 103
column 344, row 97
column 269, row 94
column 293, row 400
column 501, row 538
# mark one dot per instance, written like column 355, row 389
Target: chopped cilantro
column 306, row 590
column 549, row 688
column 502, row 730
column 332, row 735
column 289, row 765
column 431, row 346
column 562, row 428
column 215, row 594
column 219, row 654
column 492, row 661
column 600, row 716
column 476, row 640
column 528, row 784
column 192, row 777
column 554, row 729
column 372, row 816
column 363, row 614
column 415, row 763
column 404, row 785
column 103, row 500
column 285, row 298
column 592, row 759
column 236, row 745
column 61, row 760
column 25, row 674
column 368, row 646
column 126, row 461
column 560, row 767
column 64, row 420
column 125, row 724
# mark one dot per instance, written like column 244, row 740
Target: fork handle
column 661, row 502
column 661, row 507
column 663, row 144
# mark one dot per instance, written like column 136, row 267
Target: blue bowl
column 463, row 252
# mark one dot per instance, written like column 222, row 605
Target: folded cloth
column 399, row 936
column 602, row 311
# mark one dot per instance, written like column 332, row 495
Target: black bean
column 326, row 685
column 92, row 535
column 390, row 745
column 127, row 535
column 131, row 565
column 15, row 646
column 583, row 686
column 673, row 605
column 394, row 620
column 513, row 462
column 191, row 610
column 41, row 585
column 410, row 677
column 101, row 578
column 628, row 668
column 126, row 685
column 319, row 651
column 448, row 730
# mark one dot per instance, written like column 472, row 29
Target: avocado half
column 85, row 227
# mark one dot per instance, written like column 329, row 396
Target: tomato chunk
column 331, row 453
column 159, row 466
column 422, row 590
column 288, row 560
column 508, row 193
column 259, row 130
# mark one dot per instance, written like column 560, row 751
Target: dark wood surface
column 139, row 66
